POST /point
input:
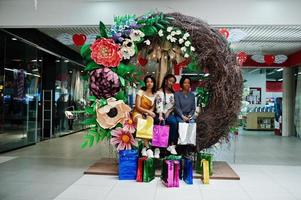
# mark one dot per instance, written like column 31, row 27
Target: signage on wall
column 254, row 96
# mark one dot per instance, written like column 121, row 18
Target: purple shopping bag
column 160, row 136
column 167, row 176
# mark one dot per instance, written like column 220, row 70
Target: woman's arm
column 192, row 112
column 178, row 105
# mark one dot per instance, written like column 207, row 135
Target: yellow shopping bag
column 145, row 128
column 205, row 165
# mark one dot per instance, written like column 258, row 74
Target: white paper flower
column 173, row 39
column 192, row 48
column 178, row 32
column 136, row 35
column 147, row 42
column 183, row 49
column 186, row 55
column 186, row 35
column 173, row 33
column 181, row 41
column 169, row 37
column 127, row 49
column 169, row 29
column 187, row 43
column 160, row 33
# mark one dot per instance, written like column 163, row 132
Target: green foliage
column 202, row 96
column 103, row 30
column 91, row 66
column 120, row 95
column 94, row 136
column 85, row 51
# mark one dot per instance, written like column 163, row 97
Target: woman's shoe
column 143, row 151
column 149, row 153
column 157, row 153
column 172, row 149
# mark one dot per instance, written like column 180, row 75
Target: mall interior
column 43, row 75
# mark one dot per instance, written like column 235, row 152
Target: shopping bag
column 148, row 170
column 176, row 173
column 188, row 171
column 145, row 128
column 178, row 158
column 187, row 133
column 160, row 136
column 127, row 168
column 206, row 156
column 205, row 166
column 140, row 168
column 167, row 175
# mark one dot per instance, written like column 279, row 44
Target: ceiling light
column 14, row 39
column 40, row 60
column 299, row 73
column 206, row 74
column 66, row 61
column 57, row 61
column 280, row 79
column 279, row 70
column 34, row 60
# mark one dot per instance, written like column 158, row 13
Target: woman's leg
column 173, row 129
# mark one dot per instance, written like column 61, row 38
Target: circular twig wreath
column 120, row 57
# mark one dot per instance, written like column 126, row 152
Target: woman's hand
column 152, row 114
column 186, row 119
column 161, row 119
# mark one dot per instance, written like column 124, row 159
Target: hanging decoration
column 241, row 58
column 269, row 59
column 117, row 57
column 224, row 32
column 79, row 39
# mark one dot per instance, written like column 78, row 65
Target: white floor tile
column 6, row 158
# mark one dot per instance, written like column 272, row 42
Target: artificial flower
column 186, row 35
column 178, row 32
column 169, row 37
column 129, row 126
column 192, row 48
column 186, row 55
column 147, row 42
column 173, row 33
column 106, row 52
column 136, row 35
column 187, row 43
column 169, row 29
column 128, row 49
column 173, row 39
column 104, row 83
column 183, row 49
column 123, row 139
column 181, row 41
column 113, row 113
column 161, row 33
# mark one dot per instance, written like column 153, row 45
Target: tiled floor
column 269, row 166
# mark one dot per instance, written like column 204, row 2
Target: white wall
column 22, row 13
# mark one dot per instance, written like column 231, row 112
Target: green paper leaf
column 103, row 135
column 85, row 51
column 85, row 77
column 91, row 66
column 90, row 111
column 149, row 30
column 160, row 26
column 102, row 102
column 91, row 141
column 103, row 30
column 122, row 81
column 84, row 144
column 92, row 98
column 124, row 69
column 89, row 121
column 120, row 95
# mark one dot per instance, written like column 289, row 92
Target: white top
column 163, row 104
column 142, row 93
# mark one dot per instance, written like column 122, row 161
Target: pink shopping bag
column 160, row 136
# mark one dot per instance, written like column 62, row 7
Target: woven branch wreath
column 118, row 58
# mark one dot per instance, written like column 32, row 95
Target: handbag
column 148, row 170
column 187, row 133
column 170, row 173
column 127, row 168
column 206, row 156
column 140, row 168
column 188, row 171
column 145, row 128
column 160, row 136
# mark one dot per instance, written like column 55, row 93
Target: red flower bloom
column 106, row 52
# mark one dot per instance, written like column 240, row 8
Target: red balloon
column 79, row 39
column 269, row 59
column 241, row 58
column 224, row 32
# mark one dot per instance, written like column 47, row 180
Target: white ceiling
column 260, row 39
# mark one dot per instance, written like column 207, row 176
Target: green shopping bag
column 148, row 170
column 206, row 156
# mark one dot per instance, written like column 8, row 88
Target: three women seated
column 165, row 107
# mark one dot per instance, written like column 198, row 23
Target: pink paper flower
column 129, row 126
column 123, row 139
column 106, row 52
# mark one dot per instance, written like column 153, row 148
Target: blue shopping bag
column 127, row 168
column 188, row 171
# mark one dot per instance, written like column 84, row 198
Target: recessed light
column 206, row 75
column 14, row 39
column 279, row 70
column 34, row 60
column 40, row 60
column 280, row 79
column 66, row 61
column 57, row 61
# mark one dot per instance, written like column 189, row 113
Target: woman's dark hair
column 154, row 89
column 166, row 77
column 183, row 79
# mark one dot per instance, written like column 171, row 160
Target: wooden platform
column 221, row 170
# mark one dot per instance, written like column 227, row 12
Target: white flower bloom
column 186, row 35
column 136, row 35
column 192, row 48
column 183, row 49
column 173, row 33
column 169, row 37
column 187, row 43
column 181, row 41
column 169, row 29
column 186, row 55
column 178, row 32
column 147, row 42
column 128, row 49
column 173, row 39
column 160, row 33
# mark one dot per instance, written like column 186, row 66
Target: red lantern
column 79, row 39
column 241, row 58
column 224, row 32
column 269, row 59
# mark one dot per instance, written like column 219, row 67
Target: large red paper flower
column 106, row 52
